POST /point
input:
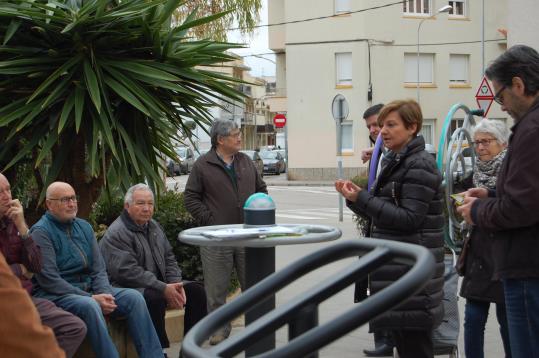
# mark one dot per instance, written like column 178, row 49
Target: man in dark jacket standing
column 510, row 214
column 219, row 183
column 138, row 254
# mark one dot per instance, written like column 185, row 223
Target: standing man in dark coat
column 510, row 214
column 218, row 186
column 138, row 255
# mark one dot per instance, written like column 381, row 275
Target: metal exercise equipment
column 306, row 337
column 451, row 161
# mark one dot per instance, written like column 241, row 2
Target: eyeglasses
column 235, row 135
column 483, row 142
column 497, row 97
column 66, row 199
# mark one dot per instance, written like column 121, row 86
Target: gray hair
column 496, row 128
column 221, row 128
column 128, row 198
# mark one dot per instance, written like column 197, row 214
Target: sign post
column 279, row 120
column 484, row 96
column 340, row 110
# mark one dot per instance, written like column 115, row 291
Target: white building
column 370, row 56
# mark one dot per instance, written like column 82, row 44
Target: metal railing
column 306, row 337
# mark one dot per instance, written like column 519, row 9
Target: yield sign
column 484, row 96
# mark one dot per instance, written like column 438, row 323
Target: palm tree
column 94, row 92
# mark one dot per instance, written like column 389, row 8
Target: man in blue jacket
column 74, row 277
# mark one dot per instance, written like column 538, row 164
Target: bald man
column 24, row 258
column 74, row 277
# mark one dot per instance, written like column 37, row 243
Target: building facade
column 369, row 55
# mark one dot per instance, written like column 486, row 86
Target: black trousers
column 414, row 344
column 195, row 309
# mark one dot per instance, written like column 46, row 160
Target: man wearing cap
column 218, row 186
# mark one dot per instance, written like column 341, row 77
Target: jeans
column 522, row 302
column 475, row 319
column 131, row 305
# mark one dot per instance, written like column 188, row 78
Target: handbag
column 460, row 266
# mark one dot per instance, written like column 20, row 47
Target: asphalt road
column 319, row 205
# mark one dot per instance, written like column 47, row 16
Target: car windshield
column 269, row 155
column 249, row 153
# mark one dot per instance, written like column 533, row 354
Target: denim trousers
column 475, row 319
column 131, row 306
column 522, row 302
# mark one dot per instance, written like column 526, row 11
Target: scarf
column 487, row 171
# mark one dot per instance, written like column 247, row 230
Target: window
column 458, row 69
column 342, row 6
column 347, row 143
column 426, row 66
column 343, row 64
column 427, row 131
column 459, row 8
column 456, row 123
column 416, row 7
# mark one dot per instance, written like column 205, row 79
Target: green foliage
column 174, row 218
column 170, row 212
column 361, row 222
column 96, row 91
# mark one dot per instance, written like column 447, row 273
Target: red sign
column 484, row 96
column 279, row 120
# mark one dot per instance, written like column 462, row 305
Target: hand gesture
column 16, row 214
column 175, row 295
column 350, row 191
column 476, row 193
column 106, row 302
column 366, row 154
column 465, row 210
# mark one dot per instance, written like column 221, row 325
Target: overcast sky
column 257, row 44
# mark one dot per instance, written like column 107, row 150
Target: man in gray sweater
column 138, row 255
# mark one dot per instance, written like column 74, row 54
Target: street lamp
column 443, row 9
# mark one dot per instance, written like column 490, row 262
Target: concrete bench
column 120, row 336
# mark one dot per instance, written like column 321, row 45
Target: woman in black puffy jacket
column 405, row 204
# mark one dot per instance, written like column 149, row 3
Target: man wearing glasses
column 74, row 277
column 510, row 214
column 220, row 182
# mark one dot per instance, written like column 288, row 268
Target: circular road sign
column 279, row 120
column 339, row 108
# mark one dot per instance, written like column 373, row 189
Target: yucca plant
column 94, row 92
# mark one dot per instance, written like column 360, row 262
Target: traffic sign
column 279, row 120
column 484, row 96
column 339, row 108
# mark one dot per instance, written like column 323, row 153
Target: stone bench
column 120, row 336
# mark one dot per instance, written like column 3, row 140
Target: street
column 319, row 205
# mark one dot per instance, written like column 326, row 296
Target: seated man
column 24, row 258
column 74, row 277
column 21, row 332
column 138, row 254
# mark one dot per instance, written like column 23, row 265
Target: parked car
column 283, row 154
column 273, row 161
column 257, row 161
column 187, row 159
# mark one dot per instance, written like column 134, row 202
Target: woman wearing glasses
column 490, row 142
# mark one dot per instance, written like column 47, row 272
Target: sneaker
column 219, row 336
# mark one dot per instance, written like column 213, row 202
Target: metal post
column 305, row 320
column 482, row 37
column 259, row 263
column 417, row 83
column 286, row 150
column 339, row 155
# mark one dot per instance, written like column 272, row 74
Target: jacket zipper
column 78, row 248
